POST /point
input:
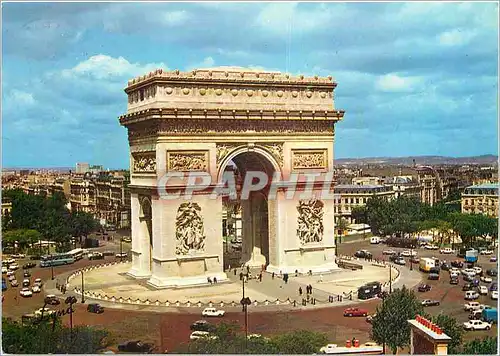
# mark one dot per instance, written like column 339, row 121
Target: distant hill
column 420, row 160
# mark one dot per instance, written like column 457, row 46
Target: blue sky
column 413, row 78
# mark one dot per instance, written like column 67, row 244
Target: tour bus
column 77, row 254
column 56, row 260
column 471, row 256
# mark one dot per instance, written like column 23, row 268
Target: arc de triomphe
column 201, row 121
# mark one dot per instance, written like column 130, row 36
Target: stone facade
column 481, row 199
column 200, row 121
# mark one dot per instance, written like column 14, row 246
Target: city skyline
column 416, row 79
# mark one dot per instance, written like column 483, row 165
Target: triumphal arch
column 186, row 126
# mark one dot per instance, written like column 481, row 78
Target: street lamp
column 245, row 302
column 52, row 269
column 83, row 291
column 121, row 248
column 70, row 300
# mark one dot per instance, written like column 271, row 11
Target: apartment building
column 481, row 199
column 82, row 194
column 404, row 186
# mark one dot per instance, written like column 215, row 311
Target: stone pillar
column 140, row 241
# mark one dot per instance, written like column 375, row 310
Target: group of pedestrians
column 309, row 290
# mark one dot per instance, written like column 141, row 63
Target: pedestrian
column 248, row 269
column 296, row 273
column 229, row 267
column 300, row 290
column 310, row 289
column 272, row 275
column 320, row 278
column 234, row 271
column 241, row 276
column 209, row 280
column 260, row 277
column 215, row 279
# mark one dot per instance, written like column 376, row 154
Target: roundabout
column 110, row 285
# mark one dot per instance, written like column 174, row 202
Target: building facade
column 481, row 199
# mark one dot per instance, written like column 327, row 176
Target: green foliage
column 46, row 338
column 451, row 328
column 230, row 340
column 83, row 224
column 486, row 346
column 390, row 325
column 24, row 237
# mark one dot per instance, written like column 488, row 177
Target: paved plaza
column 113, row 281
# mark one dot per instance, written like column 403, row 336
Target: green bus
column 56, row 260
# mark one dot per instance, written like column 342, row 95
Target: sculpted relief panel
column 183, row 161
column 276, row 150
column 309, row 159
column 310, row 221
column 223, row 150
column 189, row 230
column 144, row 162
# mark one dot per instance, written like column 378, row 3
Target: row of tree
column 406, row 216
column 38, row 217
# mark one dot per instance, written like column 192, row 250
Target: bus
column 471, row 256
column 77, row 254
column 369, row 290
column 56, row 260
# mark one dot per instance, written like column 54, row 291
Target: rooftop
column 485, row 186
column 355, row 186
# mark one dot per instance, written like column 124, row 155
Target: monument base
column 186, row 282
column 321, row 269
column 138, row 274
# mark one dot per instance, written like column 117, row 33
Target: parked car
column 483, row 290
column 471, row 295
column 431, row 247
column 136, row 347
column 468, row 278
column 25, row 292
column 493, row 286
column 11, row 277
column 477, row 325
column 467, row 286
column 202, row 325
column 29, row 265
column 355, row 312
column 18, row 255
column 389, row 252
column 26, row 274
column 453, row 280
column 476, row 315
column 10, row 273
column 486, row 279
column 95, row 308
column 13, row 267
column 457, row 264
column 430, row 303
column 409, row 253
column 424, row 288
column 494, row 295
column 14, row 283
column 445, row 266
column 486, row 252
column 46, row 311
column 363, row 254
column 121, row 255
column 369, row 318
column 492, row 272
column 446, row 250
column 472, row 306
column 108, row 253
column 415, row 260
column 26, row 283
column 127, row 239
column 38, row 281
column 52, row 300
column 195, row 335
column 95, row 256
column 36, row 289
column 493, row 259
column 478, row 270
column 212, row 312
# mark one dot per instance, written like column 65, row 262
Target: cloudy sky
column 413, row 78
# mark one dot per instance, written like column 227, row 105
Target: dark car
column 424, row 288
column 468, row 278
column 475, row 282
column 433, row 277
column 453, row 280
column 363, row 254
column 467, row 286
column 493, row 287
column 492, row 272
column 430, row 303
column 202, row 325
column 29, row 265
column 434, row 270
column 95, row 308
column 415, row 260
column 457, row 264
column 53, row 301
column 445, row 267
column 27, row 274
column 136, row 347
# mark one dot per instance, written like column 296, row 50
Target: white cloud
column 102, row 66
column 20, row 97
column 175, row 18
column 456, row 37
column 207, row 62
column 395, row 83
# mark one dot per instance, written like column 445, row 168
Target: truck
column 471, row 256
column 490, row 315
column 426, row 264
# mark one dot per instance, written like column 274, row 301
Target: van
column 375, row 240
column 471, row 295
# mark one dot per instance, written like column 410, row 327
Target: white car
column 14, row 267
column 12, row 277
column 471, row 295
column 10, row 273
column 431, row 247
column 446, row 250
column 25, row 292
column 454, row 269
column 486, row 252
column 121, row 255
column 409, row 253
column 486, row 279
column 10, row 261
column 19, row 255
column 38, row 281
column 329, row 349
column 454, row 274
column 5, row 270
column 468, row 271
column 472, row 306
column 477, row 325
column 36, row 289
column 195, row 335
column 46, row 311
column 494, row 295
column 478, row 270
column 212, row 312
column 388, row 252
column 483, row 290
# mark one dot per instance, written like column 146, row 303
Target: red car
column 355, row 312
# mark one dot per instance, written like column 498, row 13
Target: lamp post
column 245, row 302
column 121, row 248
column 83, row 291
column 52, row 269
column 390, row 278
column 70, row 300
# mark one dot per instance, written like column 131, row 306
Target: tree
column 486, row 346
column 451, row 328
column 359, row 214
column 82, row 224
column 304, row 342
column 23, row 237
column 390, row 325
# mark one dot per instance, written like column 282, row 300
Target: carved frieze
column 189, row 230
column 184, row 161
column 310, row 221
column 276, row 150
column 223, row 149
column 144, row 162
column 309, row 159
